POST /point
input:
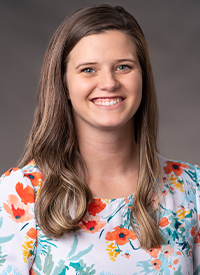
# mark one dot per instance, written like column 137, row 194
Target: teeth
column 108, row 103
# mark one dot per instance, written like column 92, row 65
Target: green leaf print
column 197, row 271
column 146, row 265
column 48, row 264
column 80, row 266
column 1, row 221
column 6, row 239
column 60, row 269
column 43, row 242
column 120, row 206
column 38, row 262
column 191, row 174
column 81, row 253
column 2, row 257
column 178, row 272
column 74, row 246
column 63, row 271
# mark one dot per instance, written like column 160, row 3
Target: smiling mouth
column 107, row 102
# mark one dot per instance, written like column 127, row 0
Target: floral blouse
column 105, row 243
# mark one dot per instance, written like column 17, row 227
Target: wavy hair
column 52, row 143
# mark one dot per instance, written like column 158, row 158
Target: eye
column 123, row 67
column 88, row 70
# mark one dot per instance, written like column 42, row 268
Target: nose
column 108, row 81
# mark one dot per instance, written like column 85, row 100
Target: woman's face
column 104, row 80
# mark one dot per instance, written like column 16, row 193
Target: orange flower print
column 175, row 167
column 96, row 206
column 32, row 272
column 154, row 251
column 120, row 235
column 165, row 180
column 192, row 231
column 26, row 194
column 126, row 255
column 176, row 261
column 164, row 222
column 32, row 233
column 18, row 212
column 92, row 226
column 156, row 264
column 197, row 238
column 165, row 192
column 126, row 200
column 168, row 251
column 34, row 177
column 9, row 171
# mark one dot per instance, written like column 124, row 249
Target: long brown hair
column 53, row 143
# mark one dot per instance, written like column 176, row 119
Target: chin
column 111, row 126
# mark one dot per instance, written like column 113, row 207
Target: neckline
column 114, row 199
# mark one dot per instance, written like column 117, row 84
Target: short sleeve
column 17, row 223
column 196, row 252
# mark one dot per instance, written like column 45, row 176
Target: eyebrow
column 94, row 63
column 126, row 59
column 85, row 64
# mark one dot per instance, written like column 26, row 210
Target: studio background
column 172, row 30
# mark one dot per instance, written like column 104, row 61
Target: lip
column 107, row 97
column 104, row 102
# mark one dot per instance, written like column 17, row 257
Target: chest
column 106, row 244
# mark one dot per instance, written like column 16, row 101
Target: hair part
column 53, row 142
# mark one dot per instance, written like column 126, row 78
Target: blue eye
column 88, row 70
column 123, row 67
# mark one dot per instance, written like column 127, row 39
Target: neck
column 110, row 157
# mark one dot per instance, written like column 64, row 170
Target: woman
column 95, row 197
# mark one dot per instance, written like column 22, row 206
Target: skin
column 104, row 81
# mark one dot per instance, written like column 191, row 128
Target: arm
column 17, row 223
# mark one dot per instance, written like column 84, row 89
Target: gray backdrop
column 172, row 30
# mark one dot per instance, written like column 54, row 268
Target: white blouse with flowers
column 105, row 243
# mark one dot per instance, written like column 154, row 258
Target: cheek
column 135, row 89
column 78, row 87
column 135, row 86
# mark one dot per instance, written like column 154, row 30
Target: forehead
column 105, row 44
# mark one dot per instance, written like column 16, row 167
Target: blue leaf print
column 59, row 269
column 1, row 221
column 81, row 253
column 74, row 246
column 6, row 239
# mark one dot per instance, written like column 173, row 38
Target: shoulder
column 180, row 177
column 26, row 180
column 179, row 168
column 18, row 191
